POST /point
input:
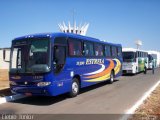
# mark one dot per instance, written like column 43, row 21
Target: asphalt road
column 102, row 98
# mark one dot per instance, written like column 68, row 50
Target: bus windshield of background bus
column 150, row 58
column 30, row 56
column 129, row 56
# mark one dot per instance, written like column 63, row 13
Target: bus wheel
column 145, row 70
column 75, row 88
column 111, row 80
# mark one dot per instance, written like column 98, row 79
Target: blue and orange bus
column 57, row 63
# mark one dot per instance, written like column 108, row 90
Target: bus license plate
column 28, row 94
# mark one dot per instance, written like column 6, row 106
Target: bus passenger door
column 61, row 75
column 59, row 57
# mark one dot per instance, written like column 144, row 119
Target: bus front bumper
column 30, row 91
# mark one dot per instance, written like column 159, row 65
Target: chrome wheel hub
column 75, row 87
column 112, row 77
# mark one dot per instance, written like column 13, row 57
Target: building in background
column 4, row 58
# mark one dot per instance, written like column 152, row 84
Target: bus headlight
column 42, row 84
column 13, row 83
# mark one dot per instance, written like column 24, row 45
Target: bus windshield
column 129, row 56
column 30, row 56
column 150, row 58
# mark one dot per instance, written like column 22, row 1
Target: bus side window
column 88, row 49
column 119, row 50
column 75, row 47
column 107, row 50
column 98, row 49
column 114, row 51
column 138, row 54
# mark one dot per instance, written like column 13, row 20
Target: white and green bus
column 134, row 61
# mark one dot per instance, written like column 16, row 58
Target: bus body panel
column 141, row 64
column 91, row 70
column 137, row 62
column 61, row 82
column 130, row 67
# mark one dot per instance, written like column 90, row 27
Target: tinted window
column 88, row 49
column 128, row 55
column 75, row 47
column 98, row 50
column 114, row 51
column 107, row 50
column 119, row 50
column 138, row 54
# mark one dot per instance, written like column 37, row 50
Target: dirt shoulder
column 150, row 109
column 4, row 83
column 3, row 75
column 4, row 79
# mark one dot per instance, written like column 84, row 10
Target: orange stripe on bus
column 110, row 67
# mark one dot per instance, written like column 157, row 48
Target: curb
column 11, row 98
column 132, row 110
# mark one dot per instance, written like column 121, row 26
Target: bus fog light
column 43, row 84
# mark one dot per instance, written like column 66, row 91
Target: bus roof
column 132, row 50
column 153, row 52
column 65, row 35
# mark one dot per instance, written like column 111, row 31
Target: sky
column 116, row 21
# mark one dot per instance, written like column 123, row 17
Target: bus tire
column 111, row 80
column 136, row 70
column 74, row 88
column 145, row 70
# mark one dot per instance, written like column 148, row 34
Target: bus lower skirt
column 31, row 91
